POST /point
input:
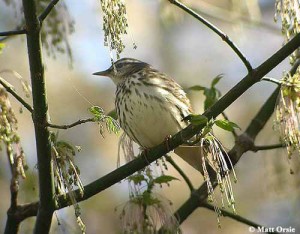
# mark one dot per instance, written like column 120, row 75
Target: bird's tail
column 200, row 156
column 192, row 155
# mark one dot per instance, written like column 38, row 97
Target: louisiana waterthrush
column 150, row 105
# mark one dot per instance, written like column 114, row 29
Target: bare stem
column 9, row 88
column 13, row 32
column 12, row 223
column 67, row 126
column 184, row 176
column 267, row 147
column 48, row 10
column 272, row 80
column 235, row 217
column 18, row 31
column 224, row 15
column 217, row 31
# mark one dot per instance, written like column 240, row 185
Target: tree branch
column 267, row 147
column 48, row 10
column 216, row 30
column 13, row 32
column 40, row 117
column 262, row 117
column 183, row 175
column 12, row 224
column 23, row 212
column 5, row 35
column 238, row 218
column 17, row 31
column 67, row 126
column 272, row 80
column 224, row 15
column 9, row 88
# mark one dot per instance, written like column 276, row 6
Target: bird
column 151, row 106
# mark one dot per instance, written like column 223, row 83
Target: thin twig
column 238, row 218
column 217, row 31
column 47, row 11
column 67, row 126
column 272, row 80
column 5, row 35
column 267, row 147
column 12, row 223
column 9, row 88
column 219, row 13
column 13, row 32
column 184, row 176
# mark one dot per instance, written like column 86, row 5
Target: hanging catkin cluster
column 9, row 137
column 289, row 13
column 114, row 24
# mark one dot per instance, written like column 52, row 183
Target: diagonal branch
column 181, row 172
column 217, row 31
column 9, row 88
column 262, row 117
column 224, row 15
column 48, row 9
column 256, row 148
column 18, row 31
column 12, row 224
column 238, row 218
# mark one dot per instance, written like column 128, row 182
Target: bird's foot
column 145, row 153
column 166, row 141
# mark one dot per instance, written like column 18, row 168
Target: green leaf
column 212, row 94
column 216, row 80
column 211, row 97
column 234, row 125
column 226, row 125
column 97, row 111
column 137, row 179
column 196, row 119
column 197, row 88
column 112, row 125
column 164, row 179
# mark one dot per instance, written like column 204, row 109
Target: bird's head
column 122, row 69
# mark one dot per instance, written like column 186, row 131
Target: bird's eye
column 120, row 66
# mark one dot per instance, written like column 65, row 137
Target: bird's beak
column 103, row 73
